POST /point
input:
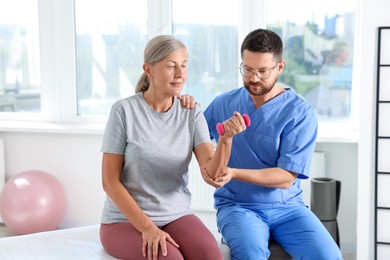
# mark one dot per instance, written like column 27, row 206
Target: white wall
column 74, row 159
column 374, row 14
column 341, row 164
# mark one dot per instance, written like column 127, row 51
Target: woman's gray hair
column 156, row 50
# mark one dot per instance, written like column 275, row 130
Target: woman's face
column 168, row 75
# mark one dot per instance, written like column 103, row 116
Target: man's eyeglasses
column 263, row 73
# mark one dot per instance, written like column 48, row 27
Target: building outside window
column 319, row 47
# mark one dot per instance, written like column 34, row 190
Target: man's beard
column 264, row 88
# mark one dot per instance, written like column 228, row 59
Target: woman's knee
column 123, row 241
column 195, row 240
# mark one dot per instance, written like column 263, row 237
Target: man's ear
column 281, row 65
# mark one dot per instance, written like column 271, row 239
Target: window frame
column 58, row 69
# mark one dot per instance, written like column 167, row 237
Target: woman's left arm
column 216, row 162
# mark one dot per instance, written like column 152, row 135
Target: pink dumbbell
column 221, row 128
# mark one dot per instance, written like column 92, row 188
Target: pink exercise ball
column 32, row 201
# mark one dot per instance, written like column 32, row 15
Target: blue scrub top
column 282, row 134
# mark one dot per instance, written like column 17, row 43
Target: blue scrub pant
column 295, row 228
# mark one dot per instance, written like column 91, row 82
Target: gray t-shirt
column 157, row 149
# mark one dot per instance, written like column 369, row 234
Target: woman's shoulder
column 195, row 110
column 128, row 101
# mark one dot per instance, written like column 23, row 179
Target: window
column 110, row 39
column 19, row 57
column 72, row 62
column 212, row 42
column 319, row 47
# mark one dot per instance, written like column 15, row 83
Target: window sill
column 327, row 136
column 42, row 127
column 337, row 132
column 324, row 136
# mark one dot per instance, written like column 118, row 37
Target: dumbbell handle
column 221, row 128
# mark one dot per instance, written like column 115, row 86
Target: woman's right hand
column 154, row 239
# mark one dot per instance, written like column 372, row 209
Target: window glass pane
column 212, row 41
column 319, row 44
column 110, row 38
column 19, row 57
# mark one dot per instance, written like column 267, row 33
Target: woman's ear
column 147, row 70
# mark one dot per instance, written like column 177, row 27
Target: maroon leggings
column 123, row 241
